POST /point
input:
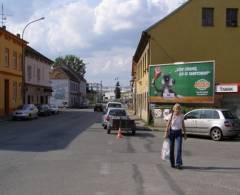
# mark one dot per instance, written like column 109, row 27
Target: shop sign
column 227, row 88
column 191, row 82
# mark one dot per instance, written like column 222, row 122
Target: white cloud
column 105, row 34
column 114, row 15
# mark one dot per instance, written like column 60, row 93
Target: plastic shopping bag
column 165, row 154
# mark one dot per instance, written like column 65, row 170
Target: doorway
column 6, row 97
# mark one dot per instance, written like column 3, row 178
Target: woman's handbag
column 165, row 154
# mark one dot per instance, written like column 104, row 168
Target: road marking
column 101, row 193
column 105, row 169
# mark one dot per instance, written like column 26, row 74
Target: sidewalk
column 4, row 119
column 141, row 125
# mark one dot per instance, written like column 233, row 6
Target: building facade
column 199, row 30
column 69, row 88
column 37, row 80
column 11, row 78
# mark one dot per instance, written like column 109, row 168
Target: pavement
column 71, row 153
column 141, row 125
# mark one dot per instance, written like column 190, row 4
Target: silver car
column 113, row 113
column 217, row 123
column 27, row 111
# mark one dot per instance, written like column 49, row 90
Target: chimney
column 18, row 35
column 4, row 27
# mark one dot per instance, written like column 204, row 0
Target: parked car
column 216, row 123
column 113, row 113
column 26, row 111
column 54, row 109
column 113, row 105
column 98, row 108
column 43, row 110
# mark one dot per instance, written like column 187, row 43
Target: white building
column 69, row 88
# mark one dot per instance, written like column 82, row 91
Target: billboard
column 191, row 82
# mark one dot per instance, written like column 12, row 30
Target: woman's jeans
column 175, row 136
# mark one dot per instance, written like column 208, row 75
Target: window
column 29, row 73
column 38, row 74
column 20, row 62
column 207, row 16
column 6, row 57
column 209, row 114
column 228, row 115
column 193, row 115
column 232, row 17
column 15, row 60
column 20, row 90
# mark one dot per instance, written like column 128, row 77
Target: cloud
column 104, row 33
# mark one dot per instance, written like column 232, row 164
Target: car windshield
column 117, row 113
column 228, row 115
column 113, row 105
column 24, row 107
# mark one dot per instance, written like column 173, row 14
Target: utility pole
column 3, row 16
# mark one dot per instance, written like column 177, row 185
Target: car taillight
column 227, row 124
column 108, row 118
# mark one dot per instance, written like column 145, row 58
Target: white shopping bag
column 165, row 154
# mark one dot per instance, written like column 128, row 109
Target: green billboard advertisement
column 191, row 82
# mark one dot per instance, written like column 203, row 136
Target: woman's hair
column 176, row 107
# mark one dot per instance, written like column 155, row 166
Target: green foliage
column 72, row 61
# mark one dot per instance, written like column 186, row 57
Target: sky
column 104, row 33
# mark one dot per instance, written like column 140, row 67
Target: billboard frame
column 192, row 100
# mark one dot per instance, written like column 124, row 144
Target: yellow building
column 10, row 71
column 199, row 30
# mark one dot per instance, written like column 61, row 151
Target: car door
column 190, row 121
column 206, row 120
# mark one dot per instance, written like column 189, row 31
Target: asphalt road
column 70, row 153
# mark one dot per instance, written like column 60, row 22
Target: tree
column 117, row 91
column 72, row 61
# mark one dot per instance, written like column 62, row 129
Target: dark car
column 44, row 110
column 98, row 108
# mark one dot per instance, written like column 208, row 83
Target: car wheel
column 216, row 134
column 108, row 130
column 133, row 132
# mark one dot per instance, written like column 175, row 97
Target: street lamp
column 23, row 58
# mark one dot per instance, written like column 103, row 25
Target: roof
column 141, row 46
column 70, row 73
column 30, row 50
column 16, row 37
column 145, row 37
column 170, row 14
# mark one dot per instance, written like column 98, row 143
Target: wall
column 35, row 65
column 181, row 37
column 142, row 85
column 60, row 92
column 11, row 73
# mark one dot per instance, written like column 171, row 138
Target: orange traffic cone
column 119, row 135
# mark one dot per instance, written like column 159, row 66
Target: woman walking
column 174, row 131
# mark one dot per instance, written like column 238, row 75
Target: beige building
column 199, row 30
column 11, row 77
